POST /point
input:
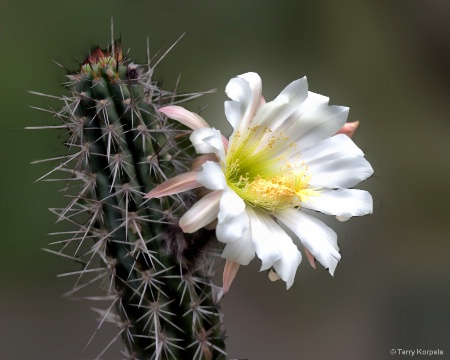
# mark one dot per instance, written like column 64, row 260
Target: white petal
column 233, row 220
column 187, row 118
column 245, row 90
column 339, row 171
column 274, row 113
column 311, row 122
column 344, row 203
column 329, row 149
column 297, row 89
column 315, row 124
column 207, row 140
column 314, row 100
column 287, row 265
column 240, row 251
column 334, row 163
column 317, row 237
column 265, row 234
column 233, row 112
column 273, row 246
column 211, row 176
column 201, row 213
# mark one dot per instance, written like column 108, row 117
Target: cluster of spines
column 164, row 305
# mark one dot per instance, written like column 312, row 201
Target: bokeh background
column 388, row 60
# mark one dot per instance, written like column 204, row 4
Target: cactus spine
column 163, row 301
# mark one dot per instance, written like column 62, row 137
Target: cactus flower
column 283, row 157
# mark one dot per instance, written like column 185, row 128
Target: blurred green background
column 388, row 60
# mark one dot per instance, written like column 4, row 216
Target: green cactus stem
column 157, row 279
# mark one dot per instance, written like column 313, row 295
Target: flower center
column 275, row 192
column 258, row 170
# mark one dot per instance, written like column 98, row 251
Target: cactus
column 157, row 279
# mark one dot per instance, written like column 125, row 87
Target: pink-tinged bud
column 229, row 273
column 349, row 129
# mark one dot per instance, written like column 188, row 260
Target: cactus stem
column 157, row 279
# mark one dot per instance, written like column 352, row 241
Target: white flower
column 282, row 157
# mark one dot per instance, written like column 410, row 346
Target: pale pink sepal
column 263, row 101
column 202, row 213
column 225, row 143
column 229, row 273
column 273, row 276
column 183, row 182
column 190, row 119
column 200, row 160
column 349, row 128
column 212, row 225
column 310, row 258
